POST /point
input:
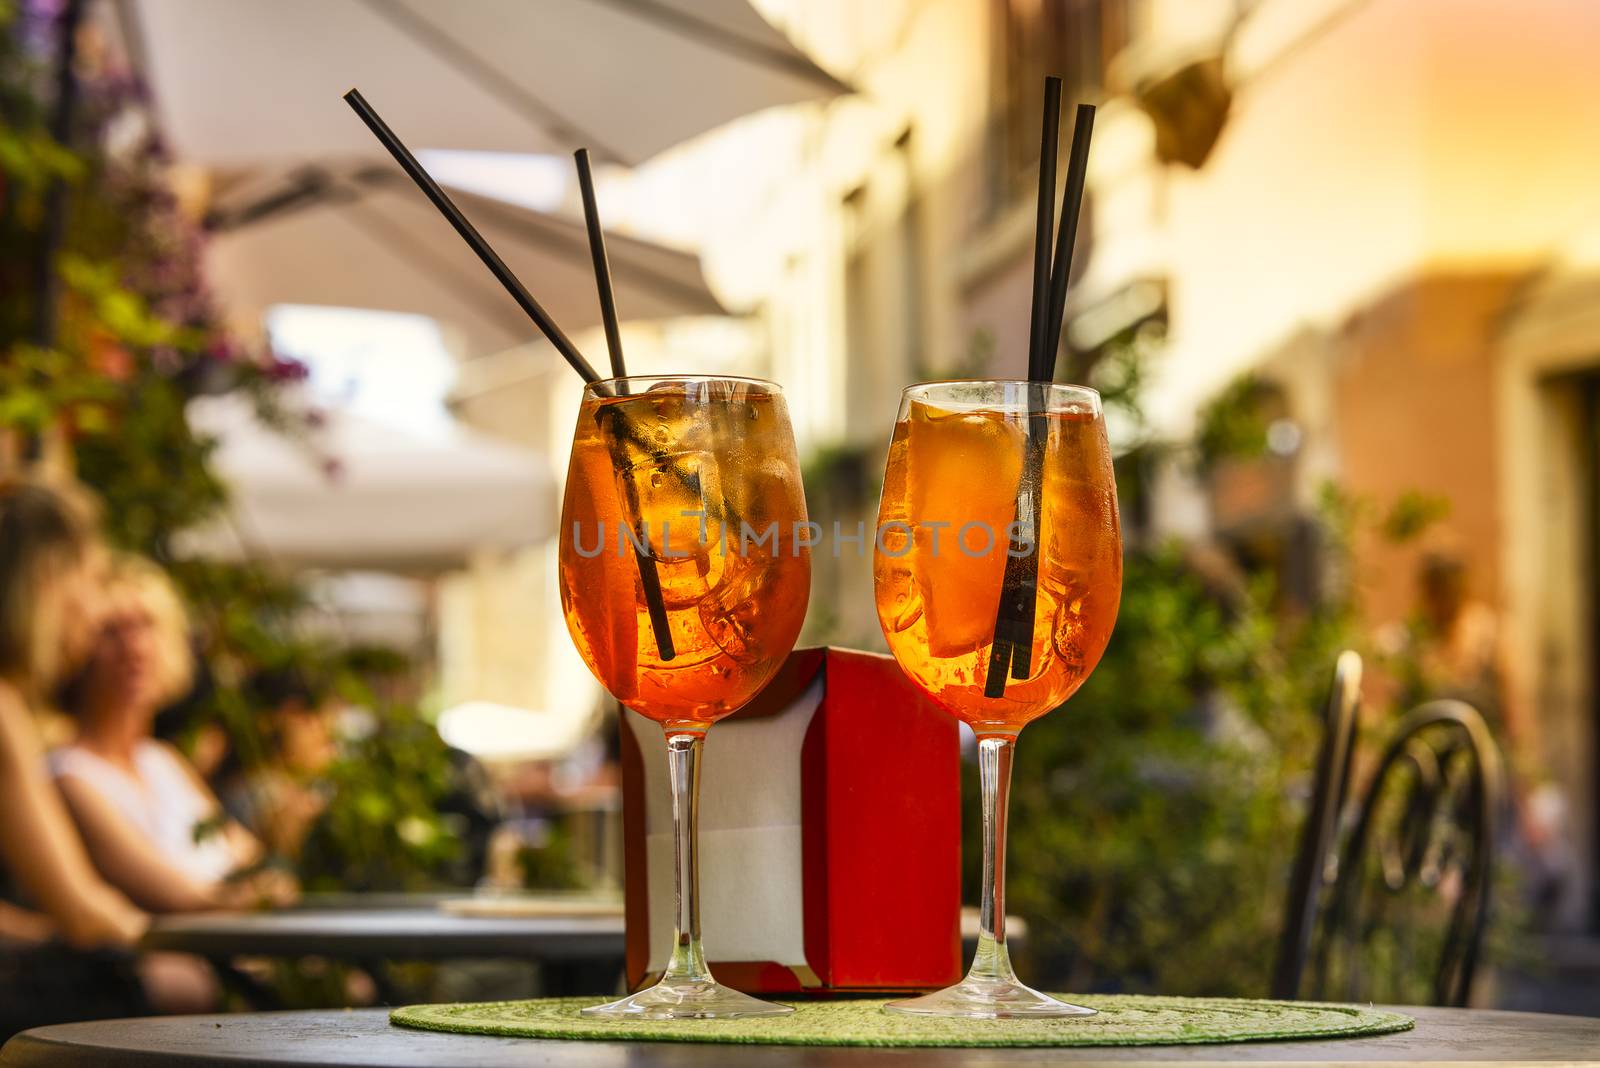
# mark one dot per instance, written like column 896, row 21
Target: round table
column 365, row 1038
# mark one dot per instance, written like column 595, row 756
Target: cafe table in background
column 577, row 939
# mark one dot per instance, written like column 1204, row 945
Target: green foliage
column 842, row 478
column 1234, row 424
column 1150, row 827
column 31, row 161
column 162, row 486
column 973, row 363
column 1118, row 370
column 1412, row 513
column 384, row 831
column 553, row 864
column 38, row 383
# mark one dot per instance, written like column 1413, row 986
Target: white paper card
column 751, row 889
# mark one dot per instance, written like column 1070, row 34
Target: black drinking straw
column 542, row 319
column 649, row 578
column 1044, row 224
column 602, row 264
column 1011, row 650
column 1013, row 624
column 470, row 235
column 1071, row 201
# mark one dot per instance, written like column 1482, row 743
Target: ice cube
column 732, row 611
column 962, row 472
column 900, row 599
column 670, row 493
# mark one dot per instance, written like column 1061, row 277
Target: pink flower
column 287, row 369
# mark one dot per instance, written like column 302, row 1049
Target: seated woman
column 154, row 829
column 66, row 936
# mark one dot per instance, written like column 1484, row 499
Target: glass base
column 988, row 999
column 686, row 999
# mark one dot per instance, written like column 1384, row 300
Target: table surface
column 365, row 1039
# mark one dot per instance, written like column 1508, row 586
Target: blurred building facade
column 1402, row 256
column 1382, row 207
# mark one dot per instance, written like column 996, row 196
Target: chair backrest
column 1411, row 894
column 1313, row 862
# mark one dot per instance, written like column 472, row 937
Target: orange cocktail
column 685, row 574
column 998, row 573
column 714, row 481
column 949, row 502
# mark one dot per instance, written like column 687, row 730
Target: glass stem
column 688, row 963
column 993, row 961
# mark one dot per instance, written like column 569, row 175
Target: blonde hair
column 152, row 589
column 44, row 531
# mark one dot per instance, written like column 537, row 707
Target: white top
column 161, row 800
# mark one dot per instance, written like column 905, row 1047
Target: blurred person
column 1454, row 644
column 1461, row 656
column 152, row 825
column 190, row 723
column 1457, row 646
column 65, row 933
column 280, row 796
column 472, row 811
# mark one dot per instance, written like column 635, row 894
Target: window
column 1076, row 39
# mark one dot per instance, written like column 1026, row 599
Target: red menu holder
column 830, row 835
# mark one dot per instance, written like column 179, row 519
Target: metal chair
column 1424, row 839
column 1314, row 857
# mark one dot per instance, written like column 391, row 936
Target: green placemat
column 1123, row 1020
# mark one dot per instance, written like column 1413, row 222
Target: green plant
column 1412, row 513
column 1150, row 822
column 553, row 864
column 1233, row 425
column 382, row 829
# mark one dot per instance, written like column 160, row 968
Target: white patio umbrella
column 242, row 82
column 367, row 238
column 397, row 501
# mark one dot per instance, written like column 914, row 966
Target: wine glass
column 997, row 573
column 684, row 582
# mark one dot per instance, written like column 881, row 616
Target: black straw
column 1011, row 649
column 1071, row 201
column 602, row 264
column 649, row 578
column 1044, row 225
column 470, row 235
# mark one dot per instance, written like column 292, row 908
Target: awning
column 388, row 500
column 366, row 238
column 243, row 82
